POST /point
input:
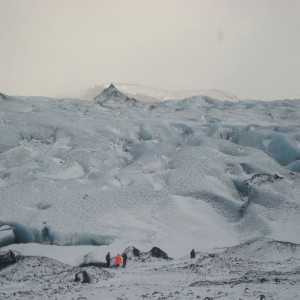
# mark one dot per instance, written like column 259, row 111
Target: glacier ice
column 7, row 235
column 117, row 169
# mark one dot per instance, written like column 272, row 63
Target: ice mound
column 256, row 267
column 45, row 277
column 264, row 249
column 7, row 235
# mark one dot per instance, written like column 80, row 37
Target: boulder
column 136, row 255
column 132, row 252
column 158, row 253
column 82, row 277
column 7, row 258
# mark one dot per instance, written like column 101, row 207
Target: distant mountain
column 5, row 97
column 111, row 96
column 12, row 104
column 152, row 94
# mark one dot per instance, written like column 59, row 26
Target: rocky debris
column 135, row 254
column 243, row 267
column 158, row 253
column 242, row 280
column 132, row 252
column 95, row 274
column 43, row 269
column 42, row 277
column 263, row 178
column 89, row 260
column 228, row 273
column 82, row 277
column 95, row 264
column 7, row 258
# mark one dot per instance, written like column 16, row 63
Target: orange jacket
column 118, row 259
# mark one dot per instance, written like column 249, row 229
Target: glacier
column 117, row 169
column 89, row 177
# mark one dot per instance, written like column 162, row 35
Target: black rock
column 158, row 253
column 7, row 258
column 132, row 252
column 94, row 264
column 82, row 277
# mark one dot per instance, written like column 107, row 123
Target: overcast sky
column 250, row 48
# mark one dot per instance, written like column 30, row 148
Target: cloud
column 53, row 47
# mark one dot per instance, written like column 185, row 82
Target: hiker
column 124, row 255
column 107, row 257
column 118, row 260
column 45, row 234
column 193, row 254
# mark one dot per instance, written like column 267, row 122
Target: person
column 107, row 257
column 193, row 254
column 118, row 260
column 45, row 234
column 124, row 255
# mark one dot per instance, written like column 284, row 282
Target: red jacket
column 118, row 260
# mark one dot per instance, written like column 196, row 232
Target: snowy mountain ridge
column 152, row 94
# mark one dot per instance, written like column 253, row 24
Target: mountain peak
column 111, row 86
column 3, row 96
column 111, row 96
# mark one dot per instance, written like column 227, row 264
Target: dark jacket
column 108, row 259
column 124, row 255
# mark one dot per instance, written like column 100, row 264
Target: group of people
column 118, row 260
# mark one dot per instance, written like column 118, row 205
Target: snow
column 75, row 171
column 117, row 172
column 247, row 271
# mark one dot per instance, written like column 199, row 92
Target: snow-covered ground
column 217, row 176
column 258, row 268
